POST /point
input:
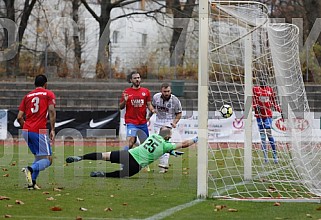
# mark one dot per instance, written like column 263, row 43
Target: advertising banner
column 232, row 129
column 78, row 123
column 3, row 123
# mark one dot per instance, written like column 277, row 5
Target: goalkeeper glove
column 195, row 139
column 176, row 153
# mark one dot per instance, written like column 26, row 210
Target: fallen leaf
column 219, row 207
column 232, row 210
column 45, row 193
column 309, row 215
column 13, row 163
column 125, row 203
column 80, row 199
column 6, row 175
column 56, row 189
column 319, row 208
column 7, row 216
column 4, row 198
column 9, row 206
column 56, row 208
column 108, row 209
column 83, row 209
column 4, row 169
column 78, row 218
column 112, row 196
column 50, row 199
column 185, row 173
column 277, row 204
column 19, row 202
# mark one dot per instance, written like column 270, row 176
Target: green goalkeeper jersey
column 152, row 149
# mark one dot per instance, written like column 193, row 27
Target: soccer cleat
column 72, row 159
column 27, row 173
column 97, row 174
column 163, row 168
column 34, row 187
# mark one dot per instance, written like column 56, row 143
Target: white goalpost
column 239, row 48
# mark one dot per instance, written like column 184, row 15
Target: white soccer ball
column 226, row 111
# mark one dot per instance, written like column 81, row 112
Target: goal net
column 245, row 50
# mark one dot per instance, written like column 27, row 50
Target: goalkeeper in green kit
column 136, row 158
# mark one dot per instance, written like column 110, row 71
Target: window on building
column 115, row 37
column 144, row 40
column 82, row 32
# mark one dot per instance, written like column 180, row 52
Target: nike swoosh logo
column 93, row 124
column 16, row 123
column 58, row 124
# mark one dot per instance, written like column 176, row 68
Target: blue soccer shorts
column 140, row 131
column 38, row 144
column 264, row 123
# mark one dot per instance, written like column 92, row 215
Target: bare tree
column 182, row 14
column 77, row 44
column 12, row 65
column 104, row 20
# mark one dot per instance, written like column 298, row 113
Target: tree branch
column 121, row 3
column 84, row 2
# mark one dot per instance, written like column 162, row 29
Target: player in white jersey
column 168, row 113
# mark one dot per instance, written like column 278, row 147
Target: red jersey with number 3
column 35, row 106
column 136, row 105
column 263, row 101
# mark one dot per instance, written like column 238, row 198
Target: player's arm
column 186, row 143
column 20, row 118
column 123, row 100
column 178, row 117
column 151, row 107
column 275, row 104
column 52, row 118
column 150, row 114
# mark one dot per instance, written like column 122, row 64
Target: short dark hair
column 165, row 85
column 40, row 80
column 165, row 131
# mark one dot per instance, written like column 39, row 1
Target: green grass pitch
column 147, row 195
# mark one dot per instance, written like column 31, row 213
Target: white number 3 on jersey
column 35, row 102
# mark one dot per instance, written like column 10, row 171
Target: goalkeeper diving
column 136, row 158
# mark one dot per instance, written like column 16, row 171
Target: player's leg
column 164, row 163
column 40, row 147
column 90, row 156
column 268, row 127
column 32, row 147
column 130, row 166
column 260, row 123
column 142, row 134
column 131, row 135
column 164, row 159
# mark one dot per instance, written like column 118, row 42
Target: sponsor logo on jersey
column 137, row 102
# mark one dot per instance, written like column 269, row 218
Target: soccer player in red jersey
column 136, row 99
column 263, row 101
column 35, row 106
